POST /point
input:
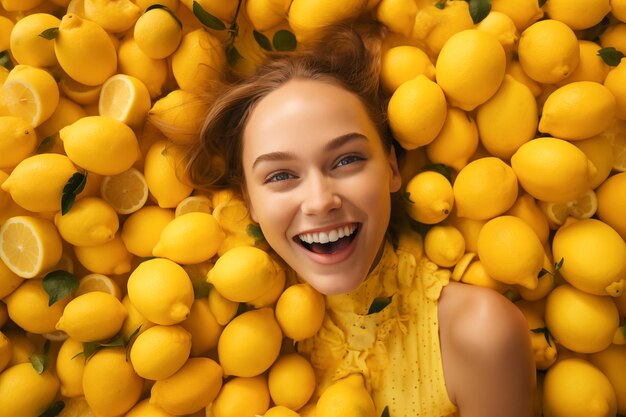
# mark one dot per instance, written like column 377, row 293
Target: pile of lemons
column 125, row 292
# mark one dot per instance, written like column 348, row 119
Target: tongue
column 330, row 247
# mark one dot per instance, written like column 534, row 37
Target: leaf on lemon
column 262, row 40
column 558, row 265
column 385, row 412
column 379, row 304
column 254, row 231
column 90, row 348
column 407, row 198
column 47, row 143
column 284, row 40
column 167, row 9
column 440, row 4
column 5, row 60
column 41, row 361
column 232, row 55
column 50, row 33
column 72, row 188
column 54, row 410
column 206, row 18
column 541, row 2
column 610, row 56
column 479, row 9
column 545, row 332
column 59, row 284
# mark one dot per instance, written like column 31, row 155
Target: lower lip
column 333, row 258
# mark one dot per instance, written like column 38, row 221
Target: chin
column 334, row 285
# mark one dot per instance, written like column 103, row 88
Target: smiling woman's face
column 318, row 182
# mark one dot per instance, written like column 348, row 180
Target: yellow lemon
column 578, row 110
column 546, row 284
column 20, row 5
column 410, row 127
column 444, row 245
column 614, row 82
column 574, row 387
column 161, row 291
column 29, row 245
column 18, row 142
column 265, row 14
column 224, row 10
column 9, row 280
column 190, row 389
column 135, row 322
column 580, row 321
column 594, row 256
column 203, row 327
column 614, row 36
column 158, row 33
column 469, row 229
column 241, row 396
column 198, row 61
column 141, row 230
column 280, row 411
column 456, row 142
column 552, row 169
column 397, row 15
column 545, row 349
column 403, row 63
column 126, row 192
column 582, row 207
column 77, row 406
column 160, row 351
column 612, row 203
column 179, row 115
column 272, row 295
column 234, row 219
column 476, row 274
column 599, row 151
column 84, row 50
column 300, row 311
column 308, row 18
column 145, row 409
column 28, row 308
column 80, row 93
column 91, row 221
column 113, row 15
column 27, row 47
column 470, row 68
column 27, row 188
column 30, row 93
column 92, row 316
column 434, row 26
column 508, row 119
column 244, row 273
column 98, row 282
column 222, row 308
column 133, row 61
column 429, row 197
column 189, row 239
column 502, row 27
column 526, row 208
column 291, row 381
column 548, row 51
column 100, row 144
column 6, row 26
column 522, row 12
column 609, row 362
column 70, row 366
column 66, row 113
column 515, row 70
column 110, row 384
column 5, row 351
column 591, row 66
column 263, row 340
column 484, row 188
column 579, row 14
column 125, row 98
column 346, row 397
column 163, row 173
column 618, row 9
column 510, row 251
column 108, row 258
column 24, row 392
column 195, row 203
column 170, row 4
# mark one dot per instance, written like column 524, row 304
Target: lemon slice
column 125, row 98
column 582, row 207
column 194, row 203
column 30, row 93
column 126, row 192
column 98, row 282
column 29, row 245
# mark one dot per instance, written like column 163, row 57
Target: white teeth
column 330, row 236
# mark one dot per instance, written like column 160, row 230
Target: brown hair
column 348, row 54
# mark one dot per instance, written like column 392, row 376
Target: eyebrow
column 334, row 144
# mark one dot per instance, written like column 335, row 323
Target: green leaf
column 558, row 266
column 5, row 60
column 59, row 284
column 47, row 143
column 379, row 304
column 509, row 294
column 543, row 272
column 232, row 55
column 72, row 188
column 206, row 18
column 39, row 361
column 262, row 40
column 385, row 412
column 610, row 56
column 167, row 9
column 541, row 2
column 284, row 40
column 407, row 198
column 545, row 332
column 479, row 9
column 254, row 231
column 50, row 33
column 440, row 4
column 54, row 410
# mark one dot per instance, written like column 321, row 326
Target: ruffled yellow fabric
column 397, row 349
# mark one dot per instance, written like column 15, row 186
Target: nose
column 320, row 196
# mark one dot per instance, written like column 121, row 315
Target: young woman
column 305, row 140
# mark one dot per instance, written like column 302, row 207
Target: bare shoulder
column 486, row 350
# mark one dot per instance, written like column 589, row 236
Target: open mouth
column 331, row 241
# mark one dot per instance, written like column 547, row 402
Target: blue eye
column 279, row 176
column 348, row 160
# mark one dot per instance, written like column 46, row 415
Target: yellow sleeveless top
column 396, row 349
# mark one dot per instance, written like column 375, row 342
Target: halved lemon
column 126, row 192
column 194, row 203
column 582, row 207
column 29, row 245
column 98, row 282
column 125, row 98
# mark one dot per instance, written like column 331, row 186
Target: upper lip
column 325, row 228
